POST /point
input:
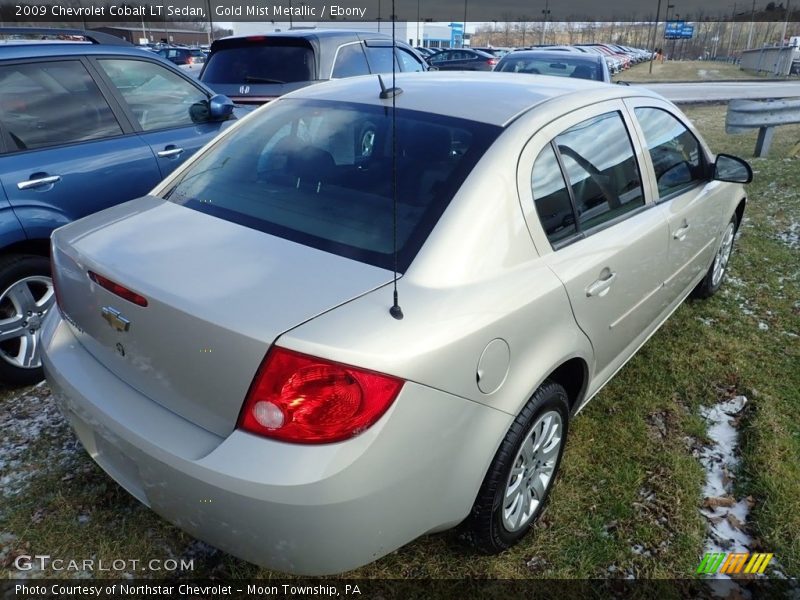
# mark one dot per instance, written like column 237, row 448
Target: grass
column 685, row 70
column 626, row 501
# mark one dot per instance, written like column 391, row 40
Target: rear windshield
column 257, row 63
column 320, row 173
column 566, row 67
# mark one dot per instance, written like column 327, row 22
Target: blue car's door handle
column 169, row 152
column 38, row 182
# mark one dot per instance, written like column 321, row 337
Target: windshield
column 320, row 173
column 260, row 64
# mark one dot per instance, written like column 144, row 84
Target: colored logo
column 734, row 563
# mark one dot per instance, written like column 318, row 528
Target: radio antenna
column 392, row 92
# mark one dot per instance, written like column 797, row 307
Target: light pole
column 546, row 13
column 464, row 33
column 733, row 26
column 752, row 18
column 653, row 37
column 419, row 43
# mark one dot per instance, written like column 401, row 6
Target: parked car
column 83, row 126
column 190, row 57
column 496, row 52
column 425, row 53
column 244, row 369
column 559, row 64
column 258, row 68
column 463, row 59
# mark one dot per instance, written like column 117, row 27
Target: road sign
column 673, row 29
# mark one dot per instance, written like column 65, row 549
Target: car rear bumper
column 302, row 509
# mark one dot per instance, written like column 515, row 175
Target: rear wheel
column 716, row 272
column 522, row 472
column 26, row 294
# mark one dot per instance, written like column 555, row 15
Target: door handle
column 680, row 234
column 600, row 287
column 38, row 182
column 169, row 152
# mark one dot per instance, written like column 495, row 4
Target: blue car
column 86, row 121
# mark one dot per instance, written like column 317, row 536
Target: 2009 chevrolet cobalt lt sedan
column 228, row 348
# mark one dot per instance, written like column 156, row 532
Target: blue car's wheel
column 26, row 294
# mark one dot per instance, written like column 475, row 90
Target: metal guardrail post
column 764, row 141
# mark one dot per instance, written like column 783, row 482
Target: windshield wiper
column 256, row 79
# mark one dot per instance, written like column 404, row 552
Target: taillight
column 492, row 61
column 117, row 289
column 302, row 399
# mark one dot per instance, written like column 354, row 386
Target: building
column 430, row 35
column 170, row 35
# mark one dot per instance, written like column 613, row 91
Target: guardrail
column 775, row 60
column 766, row 115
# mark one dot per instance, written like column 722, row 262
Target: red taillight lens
column 117, row 289
column 492, row 61
column 302, row 399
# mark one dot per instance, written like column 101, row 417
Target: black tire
column 708, row 287
column 485, row 527
column 13, row 269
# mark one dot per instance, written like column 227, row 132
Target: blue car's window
column 320, row 173
column 51, row 104
column 158, row 98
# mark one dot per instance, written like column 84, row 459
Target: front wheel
column 522, row 472
column 26, row 294
column 716, row 272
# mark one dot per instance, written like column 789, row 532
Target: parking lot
column 629, row 495
column 628, row 499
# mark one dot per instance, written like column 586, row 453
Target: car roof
column 488, row 97
column 51, row 49
column 346, row 34
column 554, row 54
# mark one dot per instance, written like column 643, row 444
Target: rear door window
column 381, row 58
column 551, row 197
column 601, row 168
column 350, row 61
column 261, row 63
column 52, row 103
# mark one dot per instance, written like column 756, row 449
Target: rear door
column 580, row 178
column 168, row 110
column 689, row 199
column 67, row 153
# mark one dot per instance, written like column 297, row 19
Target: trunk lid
column 218, row 296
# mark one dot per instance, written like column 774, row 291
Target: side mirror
column 732, row 169
column 220, row 107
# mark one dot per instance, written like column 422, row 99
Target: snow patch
column 726, row 516
column 791, row 235
column 25, row 421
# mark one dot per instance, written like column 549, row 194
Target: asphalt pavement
column 722, row 91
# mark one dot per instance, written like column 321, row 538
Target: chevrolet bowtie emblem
column 114, row 318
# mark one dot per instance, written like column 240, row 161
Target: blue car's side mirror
column 220, row 107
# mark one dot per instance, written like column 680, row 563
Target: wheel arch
column 37, row 247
